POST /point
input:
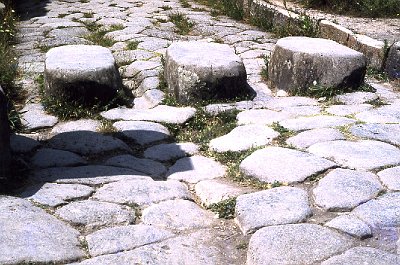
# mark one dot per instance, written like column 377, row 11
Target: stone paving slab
column 389, row 133
column 351, row 225
column 315, row 122
column 47, row 157
column 142, row 132
column 307, row 138
column 34, row 117
column 166, row 152
column 146, row 166
column 79, row 125
column 390, row 177
column 364, row 255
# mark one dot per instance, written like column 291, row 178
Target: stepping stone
column 344, row 189
column 362, row 155
column 295, row 244
column 389, row 133
column 315, row 122
column 142, row 132
column 79, row 125
column 161, row 113
column 196, row 168
column 331, row 64
column 351, row 225
column 87, row 143
column 284, row 165
column 243, row 138
column 95, row 214
column 277, row 206
column 146, row 166
column 262, row 116
column 34, row 236
column 123, row 238
column 344, row 110
column 138, row 66
column 47, row 157
column 307, row 138
column 280, row 103
column 197, row 70
column 20, row 143
column 142, row 192
column 356, row 98
column 85, row 73
column 390, row 177
column 34, row 117
column 215, row 109
column 393, row 61
column 384, row 114
column 178, row 215
column 150, row 99
column 364, row 255
column 167, row 152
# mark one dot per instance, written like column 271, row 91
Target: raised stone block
column 84, row 73
column 5, row 154
column 199, row 70
column 393, row 61
column 298, row 63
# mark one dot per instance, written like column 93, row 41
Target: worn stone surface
column 47, row 157
column 310, row 137
column 389, row 133
column 166, row 152
column 277, row 206
column 384, row 114
column 34, row 117
column 147, row 166
column 315, row 122
column 351, row 225
column 284, row 165
column 393, row 61
column 150, row 99
column 262, row 116
column 142, row 132
column 344, row 110
column 79, row 125
column 358, row 97
column 364, row 255
column 390, row 177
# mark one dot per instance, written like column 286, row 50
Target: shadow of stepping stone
column 166, row 152
column 146, row 166
column 47, row 157
column 142, row 132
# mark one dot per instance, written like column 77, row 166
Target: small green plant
column 184, row 3
column 62, row 15
column 97, row 35
column 377, row 74
column 88, row 15
column 225, row 209
column 106, row 127
column 264, row 69
column 132, row 45
column 182, row 23
column 377, row 102
column 230, row 8
column 284, row 134
column 165, row 7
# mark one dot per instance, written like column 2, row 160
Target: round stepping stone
column 199, row 70
column 166, row 152
column 142, row 192
column 196, row 168
column 94, row 214
column 34, row 117
column 344, row 110
column 364, row 255
column 47, row 157
column 261, row 116
column 79, row 125
column 389, row 133
column 243, row 138
column 315, row 122
column 362, row 155
column 295, row 244
column 277, row 206
column 390, row 177
column 34, row 236
column 147, row 166
column 308, row 138
column 284, row 165
column 351, row 225
column 142, row 132
column 384, row 114
column 344, row 189
column 177, row 214
column 81, row 72
column 298, row 62
column 355, row 98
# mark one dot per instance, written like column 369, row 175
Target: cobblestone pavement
column 92, row 198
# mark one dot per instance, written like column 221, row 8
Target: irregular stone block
column 393, row 61
column 351, row 225
column 364, row 255
column 5, row 153
column 374, row 50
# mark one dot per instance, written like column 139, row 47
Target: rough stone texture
column 47, row 157
column 363, row 155
column 284, row 165
column 390, row 177
column 389, row 133
column 294, row 244
column 150, row 99
column 277, row 206
column 166, row 152
column 364, row 255
column 351, row 225
column 344, row 189
column 243, row 138
column 200, row 70
column 384, row 114
column 147, row 166
column 296, row 62
column 94, row 214
column 261, row 116
column 393, row 61
column 27, row 230
column 34, row 117
column 344, row 110
column 142, row 132
column 123, row 238
column 315, row 122
column 195, row 168
column 308, row 138
column 177, row 214
column 79, row 125
column 81, row 72
column 356, row 97
column 21, row 143
column 5, row 157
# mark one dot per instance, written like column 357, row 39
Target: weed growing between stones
column 378, row 102
column 132, row 45
column 106, row 127
column 184, row 3
column 284, row 134
column 225, row 209
column 377, row 74
column 97, row 35
column 87, row 14
column 165, row 7
column 182, row 23
column 231, row 8
column 264, row 69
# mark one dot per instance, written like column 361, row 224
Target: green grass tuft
column 182, row 23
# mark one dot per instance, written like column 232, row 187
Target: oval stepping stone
column 344, row 110
column 47, row 157
column 283, row 205
column 384, row 114
column 362, row 155
column 295, row 244
column 308, row 138
column 196, row 168
column 142, row 132
column 389, row 133
column 261, row 116
column 315, row 122
column 357, row 97
column 20, row 143
column 34, row 117
column 147, row 166
column 79, row 125
column 166, row 152
column 351, row 225
column 284, row 165
column 390, row 177
column 142, row 191
column 177, row 214
column 344, row 189
column 364, row 255
column 243, row 138
column 279, row 103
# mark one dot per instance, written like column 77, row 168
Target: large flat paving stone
column 79, row 125
column 295, row 244
column 243, row 138
column 355, row 98
column 384, row 114
column 284, row 165
column 390, row 177
column 344, row 110
column 351, row 225
column 315, row 122
column 34, row 117
column 144, row 165
column 30, row 235
column 142, row 132
column 389, row 133
column 364, row 255
column 48, row 157
column 196, row 168
column 124, row 238
column 142, row 192
column 344, row 189
column 262, row 116
column 310, row 137
column 166, row 152
column 362, row 155
column 277, row 206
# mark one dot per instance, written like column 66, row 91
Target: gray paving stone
column 30, row 235
column 124, row 238
column 344, row 110
column 148, row 83
column 278, row 103
column 124, row 57
column 390, row 177
column 142, row 192
column 150, row 99
column 177, row 214
column 243, row 138
column 142, row 132
column 351, row 225
column 344, row 189
column 79, row 125
column 355, row 98
column 389, row 133
column 195, row 168
column 307, row 138
column 315, row 122
column 34, row 117
column 362, row 155
column 217, row 108
column 20, row 143
column 146, row 166
column 138, row 66
column 261, row 116
column 166, row 152
column 47, row 157
column 364, row 255
column 302, row 110
column 277, row 206
column 284, row 165
column 94, row 214
column 295, row 244
column 384, row 114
